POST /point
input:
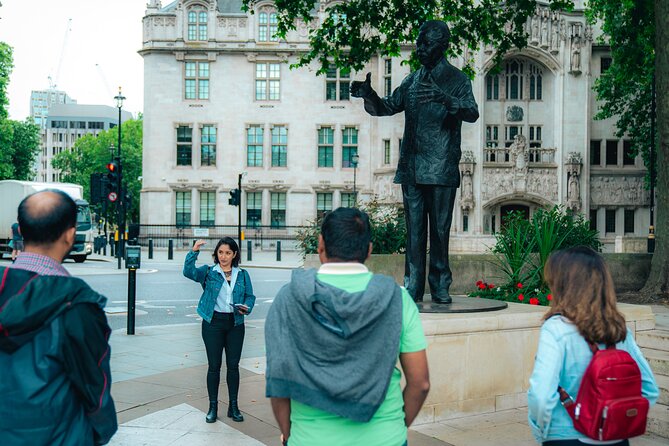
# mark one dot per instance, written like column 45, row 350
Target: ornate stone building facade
column 221, row 100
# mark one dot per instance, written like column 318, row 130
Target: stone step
column 663, row 384
column 658, row 360
column 658, row 420
column 653, row 339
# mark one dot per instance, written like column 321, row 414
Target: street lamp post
column 354, row 160
column 119, row 187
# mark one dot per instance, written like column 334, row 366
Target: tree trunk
column 657, row 285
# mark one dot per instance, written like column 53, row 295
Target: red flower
column 534, row 301
column 520, row 285
column 491, row 286
column 478, row 283
column 482, row 286
column 521, row 297
column 549, row 297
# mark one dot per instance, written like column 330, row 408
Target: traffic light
column 234, row 199
column 112, row 180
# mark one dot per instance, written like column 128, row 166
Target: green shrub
column 522, row 250
column 387, row 224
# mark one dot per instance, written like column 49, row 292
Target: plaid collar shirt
column 40, row 264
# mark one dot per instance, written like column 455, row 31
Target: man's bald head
column 44, row 216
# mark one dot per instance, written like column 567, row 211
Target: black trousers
column 578, row 443
column 221, row 334
column 428, row 206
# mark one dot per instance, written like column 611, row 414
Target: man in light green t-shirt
column 333, row 338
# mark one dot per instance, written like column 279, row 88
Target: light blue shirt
column 562, row 357
column 224, row 299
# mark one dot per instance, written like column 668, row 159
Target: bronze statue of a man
column 436, row 99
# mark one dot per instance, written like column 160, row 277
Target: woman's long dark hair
column 233, row 246
column 583, row 292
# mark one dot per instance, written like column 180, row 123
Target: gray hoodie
column 333, row 350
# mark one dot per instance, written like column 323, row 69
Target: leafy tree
column 354, row 31
column 90, row 154
column 25, row 146
column 6, row 65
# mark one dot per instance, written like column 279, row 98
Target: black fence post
column 249, row 253
column 150, row 248
column 170, row 249
column 278, row 250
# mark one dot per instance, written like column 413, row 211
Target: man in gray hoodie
column 333, row 338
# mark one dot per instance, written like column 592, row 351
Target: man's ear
column 69, row 236
column 322, row 255
column 369, row 252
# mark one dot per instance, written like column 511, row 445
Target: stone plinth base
column 481, row 362
column 460, row 304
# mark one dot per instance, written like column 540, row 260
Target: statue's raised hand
column 362, row 89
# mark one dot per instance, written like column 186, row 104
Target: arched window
column 197, row 23
column 267, row 25
column 536, row 86
column 514, row 79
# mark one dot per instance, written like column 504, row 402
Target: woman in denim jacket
column 226, row 298
column 583, row 309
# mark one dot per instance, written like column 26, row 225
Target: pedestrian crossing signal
column 234, row 199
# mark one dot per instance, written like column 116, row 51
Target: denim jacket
column 562, row 357
column 213, row 281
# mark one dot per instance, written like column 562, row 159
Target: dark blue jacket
column 212, row 282
column 54, row 362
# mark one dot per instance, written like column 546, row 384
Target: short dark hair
column 233, row 246
column 44, row 223
column 439, row 27
column 346, row 233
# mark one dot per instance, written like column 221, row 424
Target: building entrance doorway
column 522, row 209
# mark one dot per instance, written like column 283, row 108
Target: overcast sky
column 106, row 33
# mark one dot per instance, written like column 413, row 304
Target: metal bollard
column 278, row 250
column 170, row 249
column 150, row 248
column 112, row 245
column 249, row 247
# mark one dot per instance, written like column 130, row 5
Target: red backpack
column 609, row 404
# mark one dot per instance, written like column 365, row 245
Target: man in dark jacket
column 436, row 99
column 54, row 351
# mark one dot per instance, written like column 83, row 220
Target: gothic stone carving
column 618, row 191
column 503, row 181
column 467, row 163
column 514, row 113
column 573, row 169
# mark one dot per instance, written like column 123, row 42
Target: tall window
column 492, row 87
column 253, row 209
column 536, row 86
column 387, row 77
column 386, row 151
column 349, row 143
column 267, row 26
column 207, row 208
column 511, row 132
column 593, row 219
column 605, row 63
column 208, row 145
column 535, row 136
column 629, row 221
column 628, row 154
column 611, row 153
column 465, row 223
column 183, row 208
column 323, row 204
column 492, row 136
column 514, row 79
column 184, row 145
column 254, row 144
column 325, row 147
column 197, row 80
column 278, row 209
column 595, row 152
column 348, row 199
column 337, row 84
column 268, row 81
column 610, row 221
column 197, row 23
column 279, row 146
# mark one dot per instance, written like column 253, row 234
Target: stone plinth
column 481, row 362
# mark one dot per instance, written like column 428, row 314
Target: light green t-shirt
column 314, row 427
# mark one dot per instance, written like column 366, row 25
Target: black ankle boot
column 234, row 413
column 213, row 412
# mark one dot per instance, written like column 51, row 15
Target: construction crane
column 53, row 81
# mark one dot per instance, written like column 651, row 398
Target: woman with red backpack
column 590, row 383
